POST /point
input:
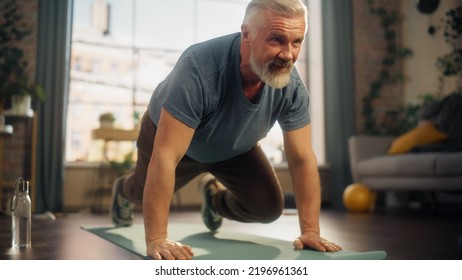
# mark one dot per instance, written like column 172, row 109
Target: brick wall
column 16, row 150
column 369, row 50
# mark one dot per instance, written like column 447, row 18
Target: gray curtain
column 53, row 54
column 339, row 92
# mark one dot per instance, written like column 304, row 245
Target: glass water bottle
column 21, row 214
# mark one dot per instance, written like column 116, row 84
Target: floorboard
column 407, row 235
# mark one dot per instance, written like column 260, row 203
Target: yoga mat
column 225, row 245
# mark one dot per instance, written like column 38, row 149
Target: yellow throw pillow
column 425, row 133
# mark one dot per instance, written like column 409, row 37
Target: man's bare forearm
column 158, row 193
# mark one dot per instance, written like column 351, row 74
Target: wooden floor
column 408, row 235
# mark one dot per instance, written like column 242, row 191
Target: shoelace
column 215, row 215
column 125, row 210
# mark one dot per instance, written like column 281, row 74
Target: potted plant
column 122, row 167
column 106, row 120
column 15, row 85
column 389, row 73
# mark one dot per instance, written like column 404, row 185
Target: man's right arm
column 170, row 145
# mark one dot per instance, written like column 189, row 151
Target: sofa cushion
column 399, row 165
column 425, row 133
column 449, row 164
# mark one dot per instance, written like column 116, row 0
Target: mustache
column 282, row 63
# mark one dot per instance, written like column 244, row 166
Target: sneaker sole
column 204, row 183
column 115, row 219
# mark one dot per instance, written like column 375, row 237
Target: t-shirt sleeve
column 185, row 99
column 296, row 113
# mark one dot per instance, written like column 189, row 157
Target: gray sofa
column 432, row 172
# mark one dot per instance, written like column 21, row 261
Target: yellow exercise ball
column 357, row 198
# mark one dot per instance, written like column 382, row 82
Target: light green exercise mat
column 225, row 245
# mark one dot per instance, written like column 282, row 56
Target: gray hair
column 287, row 8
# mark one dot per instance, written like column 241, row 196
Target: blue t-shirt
column 204, row 91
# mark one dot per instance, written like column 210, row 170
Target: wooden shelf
column 114, row 134
column 6, row 130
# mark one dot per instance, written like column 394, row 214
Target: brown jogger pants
column 253, row 192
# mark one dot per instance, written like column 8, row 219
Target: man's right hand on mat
column 164, row 249
column 314, row 241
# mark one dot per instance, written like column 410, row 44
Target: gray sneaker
column 122, row 208
column 208, row 187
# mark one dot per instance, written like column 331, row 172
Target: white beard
column 272, row 78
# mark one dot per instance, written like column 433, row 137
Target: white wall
column 420, row 70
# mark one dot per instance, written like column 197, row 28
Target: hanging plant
column 411, row 113
column 450, row 64
column 388, row 74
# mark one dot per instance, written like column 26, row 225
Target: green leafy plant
column 13, row 75
column 136, row 118
column 450, row 64
column 121, row 168
column 411, row 113
column 108, row 116
column 388, row 74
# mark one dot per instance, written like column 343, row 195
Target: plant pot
column 21, row 106
column 106, row 124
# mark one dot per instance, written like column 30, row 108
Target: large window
column 121, row 50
